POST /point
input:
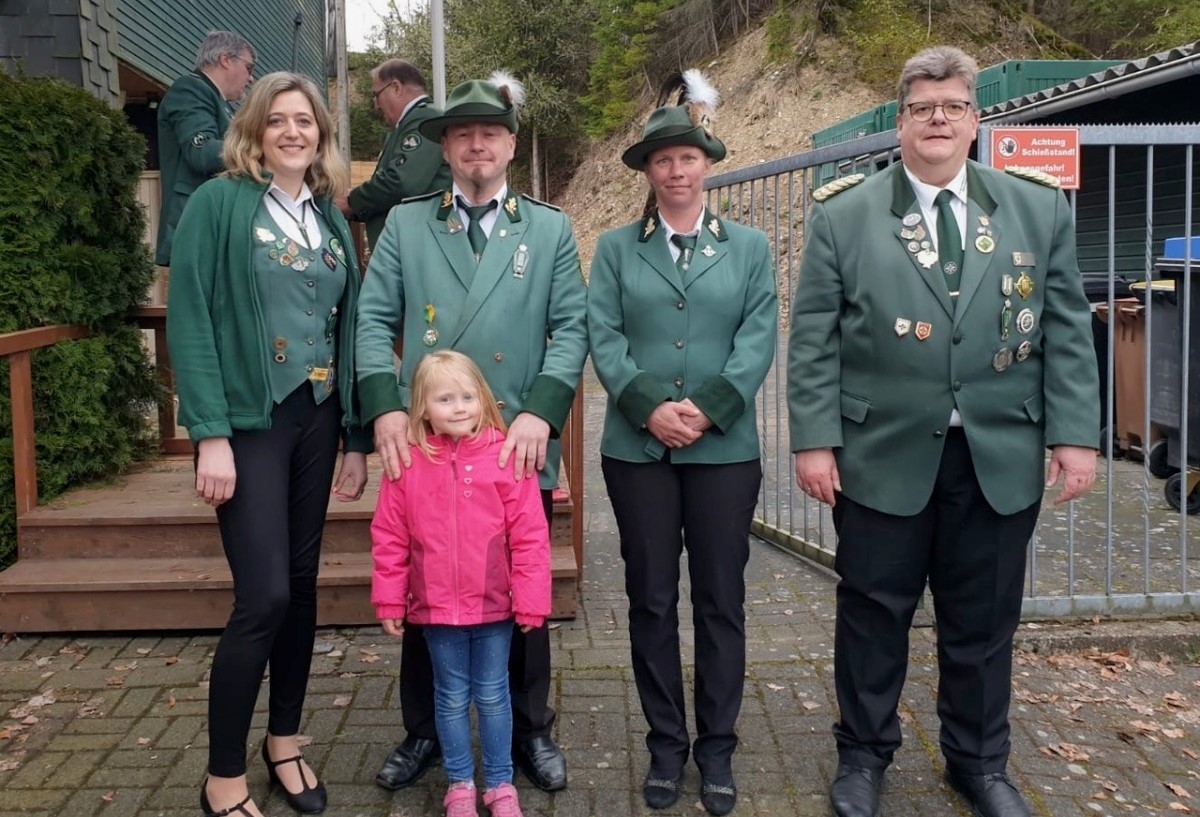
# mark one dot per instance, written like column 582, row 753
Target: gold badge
column 923, row 330
column 902, row 326
column 1024, row 286
column 510, row 206
column 447, row 199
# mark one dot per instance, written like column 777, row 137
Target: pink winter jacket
column 460, row 541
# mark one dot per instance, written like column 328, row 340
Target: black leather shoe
column 718, row 798
column 240, row 808
column 855, row 791
column 408, row 762
column 989, row 795
column 542, row 762
column 661, row 792
column 310, row 799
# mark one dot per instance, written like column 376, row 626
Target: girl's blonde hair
column 242, row 153
column 458, row 367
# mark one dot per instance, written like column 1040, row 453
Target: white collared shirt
column 288, row 211
column 668, row 232
column 408, row 108
column 926, row 193
column 489, row 218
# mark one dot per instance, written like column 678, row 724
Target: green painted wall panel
column 159, row 37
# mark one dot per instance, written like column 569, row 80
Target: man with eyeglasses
column 192, row 119
column 940, row 343
column 410, row 165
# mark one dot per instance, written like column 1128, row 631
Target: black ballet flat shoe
column 310, row 800
column 240, row 808
column 661, row 792
column 718, row 799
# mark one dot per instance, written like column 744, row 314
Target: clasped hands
column 677, row 424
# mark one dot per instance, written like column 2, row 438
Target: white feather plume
column 700, row 91
column 507, row 84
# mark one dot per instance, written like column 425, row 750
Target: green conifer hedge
column 71, row 251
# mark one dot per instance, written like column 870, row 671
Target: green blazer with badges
column 410, row 165
column 879, row 354
column 216, row 326
column 707, row 334
column 521, row 317
column 192, row 119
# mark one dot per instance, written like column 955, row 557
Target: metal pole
column 438, row 38
column 337, row 12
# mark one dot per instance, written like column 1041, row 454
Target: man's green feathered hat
column 495, row 99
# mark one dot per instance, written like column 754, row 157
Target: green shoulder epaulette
column 421, row 197
column 539, row 201
column 836, row 186
column 1029, row 174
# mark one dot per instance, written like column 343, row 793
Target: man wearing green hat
column 682, row 316
column 410, row 164
column 495, row 275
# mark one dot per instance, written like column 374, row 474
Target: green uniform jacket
column 410, row 165
column 708, row 334
column 522, row 319
column 216, row 330
column 192, row 120
column 866, row 384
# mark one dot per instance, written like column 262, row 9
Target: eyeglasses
column 376, row 94
column 953, row 110
column 248, row 63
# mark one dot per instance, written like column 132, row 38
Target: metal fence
column 1121, row 549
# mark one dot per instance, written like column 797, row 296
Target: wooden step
column 194, row 592
column 153, row 513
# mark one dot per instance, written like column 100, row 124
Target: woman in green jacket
column 682, row 323
column 260, row 326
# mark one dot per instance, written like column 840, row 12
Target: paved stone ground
column 114, row 725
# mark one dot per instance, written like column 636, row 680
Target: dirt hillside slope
column 763, row 116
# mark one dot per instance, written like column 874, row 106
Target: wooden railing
column 17, row 346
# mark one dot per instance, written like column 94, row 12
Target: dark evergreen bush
column 71, row 251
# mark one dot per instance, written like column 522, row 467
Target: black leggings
column 271, row 532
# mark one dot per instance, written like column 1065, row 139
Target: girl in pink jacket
column 462, row 548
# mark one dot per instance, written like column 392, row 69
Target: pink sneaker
column 502, row 801
column 460, row 801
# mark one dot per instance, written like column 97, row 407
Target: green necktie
column 687, row 246
column 475, row 233
column 950, row 253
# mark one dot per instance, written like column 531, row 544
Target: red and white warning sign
column 1050, row 150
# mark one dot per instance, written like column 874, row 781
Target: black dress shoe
column 718, row 798
column 661, row 792
column 542, row 762
column 989, row 795
column 240, row 808
column 310, row 799
column 855, row 791
column 408, row 762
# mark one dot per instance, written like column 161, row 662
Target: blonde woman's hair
column 458, row 367
column 243, row 153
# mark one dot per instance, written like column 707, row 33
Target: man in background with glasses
column 940, row 344
column 192, row 119
column 410, row 165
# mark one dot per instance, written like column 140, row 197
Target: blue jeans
column 471, row 664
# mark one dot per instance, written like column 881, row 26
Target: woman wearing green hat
column 682, row 319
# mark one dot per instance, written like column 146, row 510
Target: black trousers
column 974, row 560
column 271, row 532
column 661, row 508
column 528, row 678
